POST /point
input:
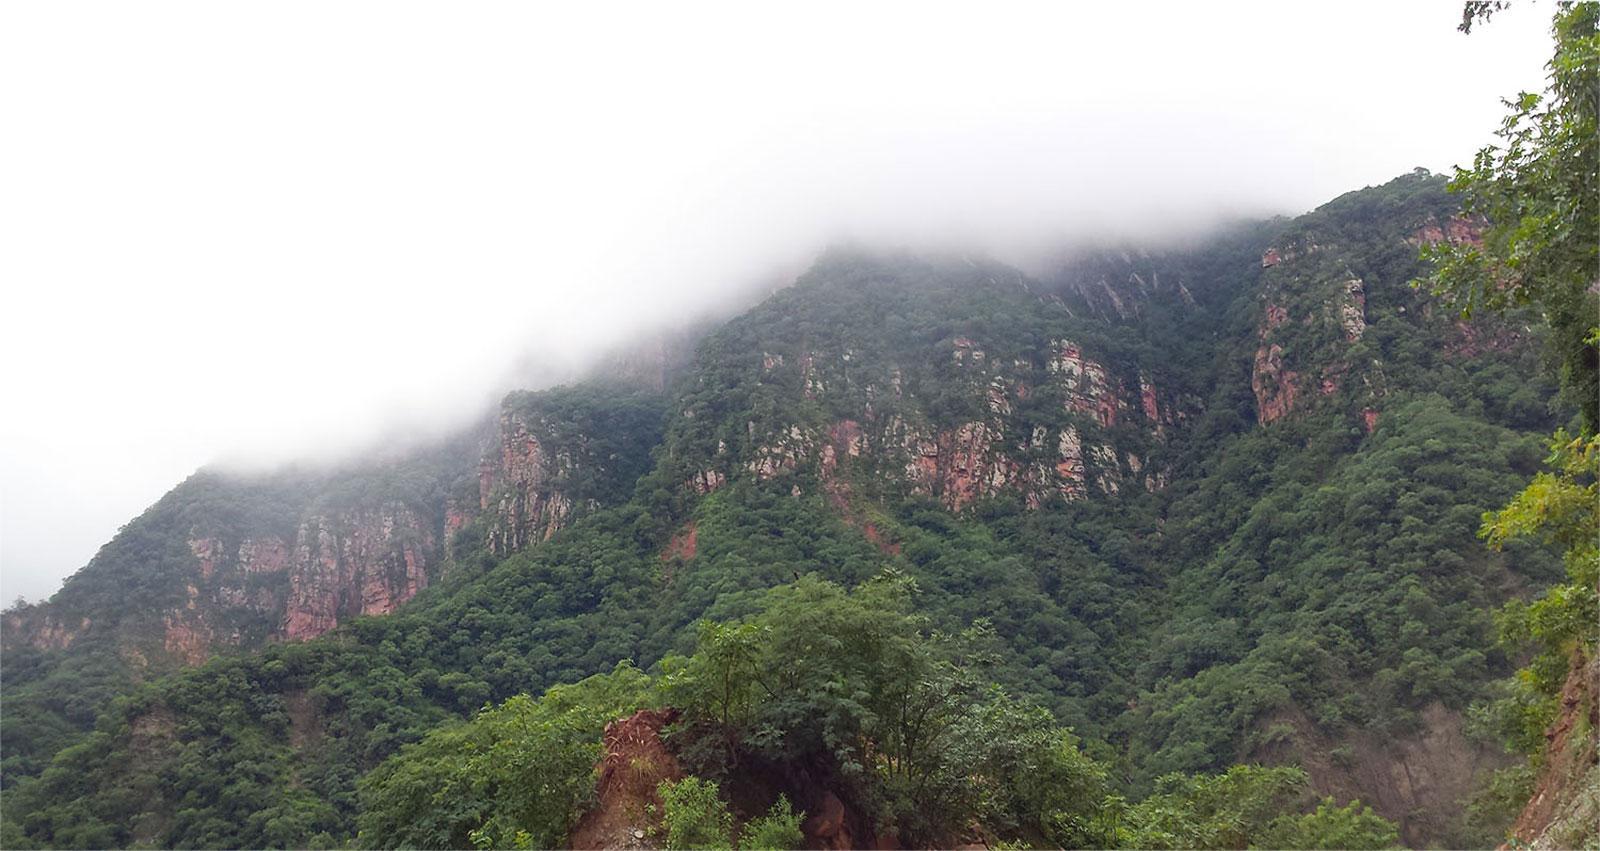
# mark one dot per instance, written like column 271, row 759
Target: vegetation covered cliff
column 1139, row 524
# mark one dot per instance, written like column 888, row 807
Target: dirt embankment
column 627, row 812
column 636, row 761
column 1418, row 780
column 1564, row 811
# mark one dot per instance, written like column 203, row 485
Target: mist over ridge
column 217, row 256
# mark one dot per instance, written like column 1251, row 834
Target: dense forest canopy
column 1176, row 549
column 1069, row 524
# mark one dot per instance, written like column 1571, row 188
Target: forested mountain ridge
column 1209, row 506
column 229, row 562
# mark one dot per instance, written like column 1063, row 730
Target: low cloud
column 258, row 234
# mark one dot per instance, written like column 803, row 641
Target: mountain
column 1206, row 506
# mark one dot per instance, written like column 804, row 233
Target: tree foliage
column 1538, row 190
column 930, row 664
column 516, row 775
column 694, row 815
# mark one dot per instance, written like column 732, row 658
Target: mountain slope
column 1216, row 504
column 228, row 562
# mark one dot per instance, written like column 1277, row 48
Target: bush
column 695, row 816
column 1353, row 826
column 778, row 830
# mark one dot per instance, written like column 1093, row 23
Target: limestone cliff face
column 1314, row 312
column 1456, row 230
column 524, row 483
column 519, row 484
column 344, row 556
column 1049, row 422
column 1119, row 286
column 43, row 629
column 1313, row 309
column 557, row 455
column 241, row 561
column 362, row 562
column 238, row 561
column 1329, row 279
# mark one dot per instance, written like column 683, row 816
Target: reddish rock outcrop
column 518, row 484
column 829, row 827
column 1275, row 387
column 847, row 438
column 989, row 456
column 43, row 629
column 1294, row 249
column 454, row 520
column 1276, row 316
column 208, row 551
column 1458, row 230
column 969, row 467
column 186, row 640
column 264, row 555
column 846, row 441
column 367, row 562
column 1326, row 303
column 684, row 543
column 1148, row 404
column 1332, row 376
column 1086, row 382
column 1480, row 337
column 973, row 461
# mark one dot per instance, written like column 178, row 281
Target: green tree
column 514, row 776
column 1538, row 191
column 694, row 815
column 1352, row 826
column 1222, row 811
column 1561, row 507
column 778, row 830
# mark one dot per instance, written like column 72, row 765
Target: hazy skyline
column 263, row 233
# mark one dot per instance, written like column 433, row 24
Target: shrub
column 695, row 815
column 778, row 830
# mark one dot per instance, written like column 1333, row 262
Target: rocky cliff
column 229, row 561
column 236, row 561
column 1332, row 276
column 1047, row 428
column 1212, row 504
column 979, row 412
column 559, row 455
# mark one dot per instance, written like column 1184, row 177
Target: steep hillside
column 1564, row 808
column 232, row 562
column 1209, row 506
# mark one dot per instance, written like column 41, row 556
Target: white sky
column 284, row 230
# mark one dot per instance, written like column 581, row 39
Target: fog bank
column 287, row 231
